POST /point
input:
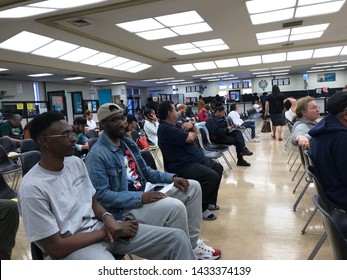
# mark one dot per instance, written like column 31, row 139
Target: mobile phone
column 158, row 188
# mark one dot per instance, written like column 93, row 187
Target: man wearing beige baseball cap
column 119, row 174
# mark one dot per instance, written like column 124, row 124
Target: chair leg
column 232, row 156
column 301, row 195
column 309, row 220
column 226, row 161
column 297, row 156
column 317, row 247
column 298, row 183
column 296, row 172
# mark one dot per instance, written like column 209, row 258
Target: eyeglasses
column 70, row 135
column 118, row 120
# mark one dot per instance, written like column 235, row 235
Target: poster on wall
column 326, row 77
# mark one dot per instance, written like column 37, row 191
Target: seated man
column 183, row 156
column 79, row 125
column 9, row 221
column 119, row 174
column 328, row 149
column 91, row 124
column 13, row 130
column 238, row 122
column 61, row 215
column 221, row 133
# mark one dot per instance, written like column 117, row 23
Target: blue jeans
column 251, row 125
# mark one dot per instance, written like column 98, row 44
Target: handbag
column 266, row 126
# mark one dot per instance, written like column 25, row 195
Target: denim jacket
column 107, row 171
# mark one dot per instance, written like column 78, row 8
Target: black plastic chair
column 27, row 145
column 91, row 133
column 335, row 227
column 8, row 144
column 8, row 168
column 29, row 159
column 149, row 159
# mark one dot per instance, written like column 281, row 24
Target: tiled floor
column 256, row 220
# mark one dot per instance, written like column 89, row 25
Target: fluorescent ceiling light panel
column 140, row 25
column 330, row 62
column 336, row 69
column 261, row 73
column 127, row 65
column 280, row 71
column 74, row 78
column 310, row 2
column 206, row 78
column 340, row 65
column 320, row 67
column 25, row 42
column 279, row 74
column 64, row 4
column 275, row 16
column 215, row 48
column 40, row 75
column 277, row 57
column 205, row 65
column 189, row 51
column 273, row 40
column 3, row 69
column 192, row 28
column 98, row 58
column 256, row 70
column 180, row 19
column 281, row 67
column 55, row 49
column 306, row 36
column 21, row 12
column 99, row 81
column 249, row 60
column 79, row 54
column 261, row 6
column 307, row 54
column 157, row 34
column 224, row 63
column 309, row 29
column 207, row 43
column 314, row 71
column 201, row 75
column 165, row 79
column 266, row 75
column 273, row 34
column 139, row 68
column 114, row 62
column 344, row 51
column 184, row 67
column 118, row 83
column 178, row 47
column 319, row 9
column 326, row 52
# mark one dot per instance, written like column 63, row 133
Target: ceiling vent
column 80, row 22
column 288, row 45
column 292, row 23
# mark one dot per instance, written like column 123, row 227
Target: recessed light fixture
column 55, row 49
column 184, row 67
column 99, row 81
column 3, row 69
column 74, row 78
column 326, row 52
column 249, row 60
column 40, row 75
column 118, row 83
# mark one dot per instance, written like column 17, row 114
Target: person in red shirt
column 204, row 113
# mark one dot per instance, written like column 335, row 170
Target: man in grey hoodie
column 328, row 149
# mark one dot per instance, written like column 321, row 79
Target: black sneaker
column 242, row 162
column 246, row 152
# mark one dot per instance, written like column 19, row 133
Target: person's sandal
column 207, row 215
column 213, row 207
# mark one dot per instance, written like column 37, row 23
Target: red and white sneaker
column 204, row 252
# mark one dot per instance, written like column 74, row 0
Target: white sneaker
column 254, row 140
column 204, row 252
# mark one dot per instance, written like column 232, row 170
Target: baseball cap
column 337, row 103
column 108, row 109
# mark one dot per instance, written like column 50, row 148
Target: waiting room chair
column 91, row 133
column 8, row 144
column 28, row 145
column 10, row 170
column 29, row 159
column 149, row 159
column 335, row 226
column 209, row 146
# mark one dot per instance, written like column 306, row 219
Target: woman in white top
column 238, row 122
column 151, row 126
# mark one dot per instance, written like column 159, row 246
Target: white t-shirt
column 52, row 202
column 235, row 117
column 151, row 130
column 91, row 124
column 289, row 115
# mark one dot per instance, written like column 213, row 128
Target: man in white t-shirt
column 238, row 122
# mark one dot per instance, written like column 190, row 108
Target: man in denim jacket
column 119, row 174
